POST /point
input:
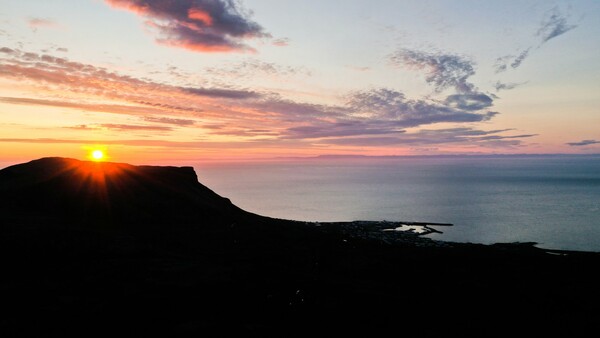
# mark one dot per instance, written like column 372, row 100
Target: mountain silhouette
column 96, row 249
column 86, row 191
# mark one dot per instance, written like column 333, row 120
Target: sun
column 97, row 155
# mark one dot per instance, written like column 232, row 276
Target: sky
column 152, row 81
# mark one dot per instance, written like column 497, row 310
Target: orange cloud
column 197, row 25
column 201, row 15
column 226, row 116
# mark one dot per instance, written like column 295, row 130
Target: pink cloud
column 120, row 127
column 375, row 117
column 35, row 23
column 281, row 42
column 55, row 74
column 197, row 25
column 200, row 15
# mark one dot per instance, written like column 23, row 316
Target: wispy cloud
column 373, row 116
column 121, row 127
column 341, row 128
column 514, row 61
column 423, row 138
column 61, row 74
column 554, row 24
column 251, row 68
column 389, row 104
column 168, row 120
column 281, row 42
column 469, row 102
column 36, row 23
column 443, row 70
column 246, row 132
column 430, row 137
column 166, row 144
column 359, row 68
column 583, row 143
column 385, row 111
column 197, row 25
column 505, row 86
column 101, row 108
column 7, row 50
column 519, row 59
column 133, row 143
column 222, row 93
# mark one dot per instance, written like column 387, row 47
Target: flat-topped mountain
column 86, row 191
column 96, row 249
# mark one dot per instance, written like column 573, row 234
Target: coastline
column 549, row 201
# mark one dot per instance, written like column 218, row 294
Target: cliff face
column 83, row 191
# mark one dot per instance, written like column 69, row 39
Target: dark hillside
column 106, row 249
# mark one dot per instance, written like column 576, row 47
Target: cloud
column 519, row 59
column 359, row 68
column 513, row 61
column 167, row 144
column 583, row 143
column 392, row 105
column 134, row 143
column 7, row 50
column 120, row 127
column 341, row 128
column 251, row 68
column 240, row 131
column 469, row 102
column 103, row 108
column 373, row 116
column 168, row 120
column 59, row 73
column 295, row 112
column 222, row 93
column 443, row 70
column 553, row 25
column 423, row 138
column 60, row 82
column 506, row 86
column 385, row 111
column 281, row 42
column 35, row 23
column 197, row 25
column 430, row 137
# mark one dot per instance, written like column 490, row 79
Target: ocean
column 551, row 200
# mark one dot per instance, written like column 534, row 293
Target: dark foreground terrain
column 103, row 249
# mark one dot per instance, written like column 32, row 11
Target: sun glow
column 97, row 155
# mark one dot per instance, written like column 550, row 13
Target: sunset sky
column 176, row 81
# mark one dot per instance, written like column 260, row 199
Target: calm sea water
column 554, row 201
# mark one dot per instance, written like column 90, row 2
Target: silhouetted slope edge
column 115, row 192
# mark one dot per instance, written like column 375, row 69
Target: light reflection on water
column 554, row 201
